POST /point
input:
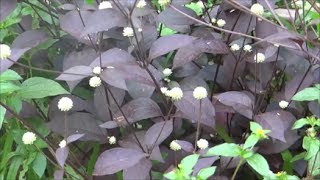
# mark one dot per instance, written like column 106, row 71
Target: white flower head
column 247, row 48
column 202, row 144
column 127, row 31
column 200, row 93
column 213, row 20
column 163, row 2
column 164, row 90
column 112, row 140
column 65, row 104
column 95, row 81
column 175, row 93
column 105, row 5
column 257, row 9
column 283, row 104
column 5, row 51
column 28, row 138
column 62, row 143
column 221, row 22
column 235, row 47
column 259, row 58
column 139, row 29
column 141, row 4
column 200, row 4
column 97, row 70
column 167, row 72
column 175, row 146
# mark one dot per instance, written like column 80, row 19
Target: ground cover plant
column 159, row 89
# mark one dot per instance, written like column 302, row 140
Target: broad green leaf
column 39, row 164
column 14, row 167
column 307, row 94
column 2, row 113
column 187, row 164
column 299, row 156
column 171, row 175
column 300, row 123
column 254, row 126
column 314, row 164
column 206, row 172
column 38, row 87
column 226, row 149
column 312, row 145
column 251, row 141
column 10, row 75
column 259, row 164
column 287, row 164
column 8, row 87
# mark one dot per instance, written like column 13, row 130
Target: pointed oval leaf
column 140, row 171
column 74, row 137
column 62, row 155
column 75, row 73
column 157, row 133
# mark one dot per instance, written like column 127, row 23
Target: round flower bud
column 213, row 20
column 175, row 93
column 62, row 143
column 221, row 22
column 283, row 104
column 247, row 48
column 141, row 4
column 200, row 4
column 95, row 81
column 167, row 72
column 259, row 58
column 127, row 31
column 112, row 140
column 28, row 138
column 163, row 2
column 202, row 144
column 5, row 51
column 200, row 93
column 257, row 9
column 235, row 47
column 65, row 104
column 105, row 5
column 175, row 146
column 97, row 70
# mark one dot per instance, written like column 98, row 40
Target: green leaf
column 226, row 149
column 312, row 145
column 10, row 75
column 38, row 87
column 187, row 164
column 88, row 1
column 206, row 172
column 39, row 164
column 223, row 134
column 2, row 113
column 14, row 167
column 300, row 123
column 314, row 164
column 251, row 141
column 171, row 175
column 8, row 87
column 254, row 126
column 287, row 164
column 307, row 94
column 298, row 156
column 259, row 164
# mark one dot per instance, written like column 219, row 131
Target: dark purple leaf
column 58, row 174
column 276, row 121
column 111, row 17
column 74, row 137
column 79, row 58
column 138, row 109
column 21, row 44
column 314, row 107
column 6, row 7
column 115, row 160
column 203, row 163
column 166, row 44
column 139, row 171
column 62, row 155
column 189, row 106
column 241, row 102
column 229, row 65
column 137, row 90
column 109, row 125
column 83, row 72
column 180, row 2
column 285, row 38
column 157, row 133
column 185, row 145
column 171, row 17
column 190, row 83
column 292, row 86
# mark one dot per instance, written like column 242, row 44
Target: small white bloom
column 95, row 81
column 200, row 4
column 213, row 20
column 200, row 93
column 283, row 104
column 65, row 104
column 221, row 22
column 167, row 72
column 5, row 51
column 259, row 58
column 139, row 29
column 175, row 93
column 97, row 70
column 257, row 9
column 62, row 143
column 127, row 31
column 105, row 5
column 164, row 90
column 163, row 2
column 28, row 138
column 202, row 144
column 175, row 146
column 235, row 47
column 247, row 48
column 141, row 4
column 112, row 140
